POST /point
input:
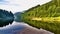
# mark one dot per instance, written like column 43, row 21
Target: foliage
column 51, row 9
column 6, row 18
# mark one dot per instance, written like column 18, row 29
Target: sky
column 20, row 5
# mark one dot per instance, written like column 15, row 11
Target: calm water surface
column 9, row 29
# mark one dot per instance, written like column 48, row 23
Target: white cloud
column 21, row 5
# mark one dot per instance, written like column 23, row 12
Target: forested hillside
column 46, row 16
column 6, row 17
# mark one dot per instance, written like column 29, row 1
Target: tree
column 6, row 17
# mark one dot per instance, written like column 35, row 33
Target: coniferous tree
column 6, row 18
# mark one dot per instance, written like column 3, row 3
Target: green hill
column 46, row 16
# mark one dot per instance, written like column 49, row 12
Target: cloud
column 20, row 5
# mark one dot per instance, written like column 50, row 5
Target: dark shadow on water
column 9, row 29
column 19, row 27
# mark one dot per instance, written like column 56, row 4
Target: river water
column 16, row 27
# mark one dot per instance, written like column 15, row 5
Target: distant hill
column 46, row 16
column 18, row 16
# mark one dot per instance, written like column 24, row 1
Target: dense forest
column 6, row 17
column 46, row 16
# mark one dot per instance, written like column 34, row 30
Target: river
column 21, row 28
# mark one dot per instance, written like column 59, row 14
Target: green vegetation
column 50, row 9
column 6, row 17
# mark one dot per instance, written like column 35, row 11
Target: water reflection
column 9, row 29
column 21, row 28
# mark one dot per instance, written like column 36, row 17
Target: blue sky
column 1, row 0
column 20, row 5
